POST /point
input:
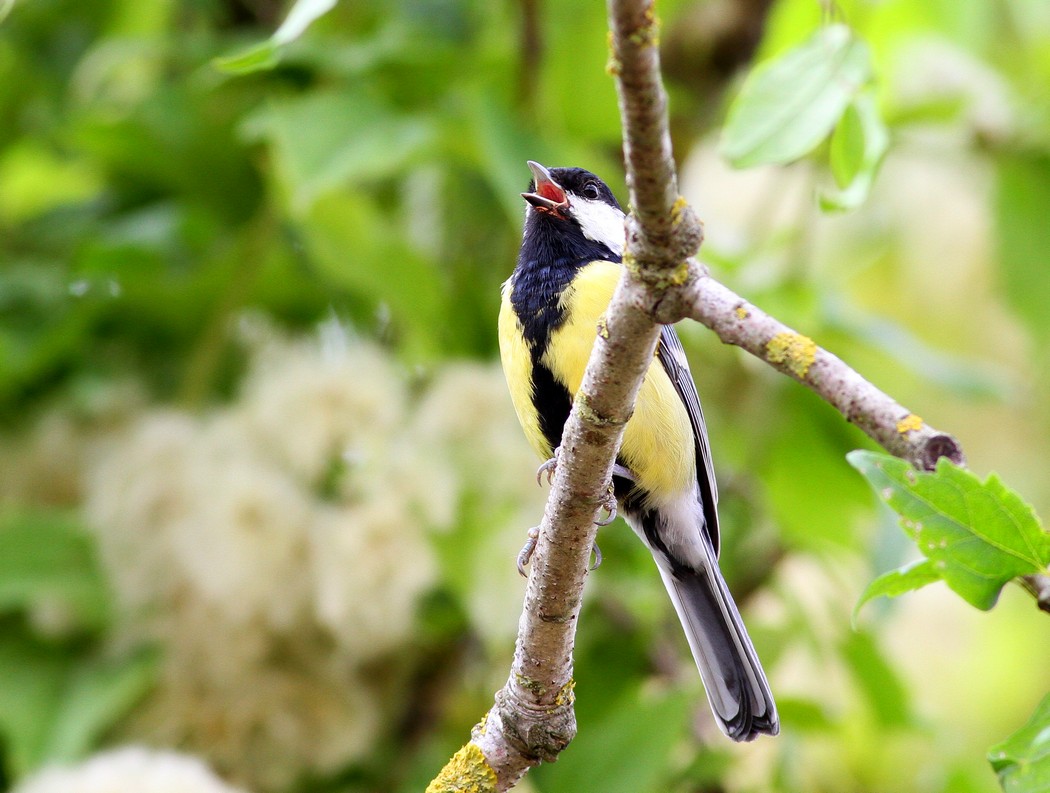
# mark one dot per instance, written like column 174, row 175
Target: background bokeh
column 261, row 486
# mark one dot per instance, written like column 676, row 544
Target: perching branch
column 533, row 718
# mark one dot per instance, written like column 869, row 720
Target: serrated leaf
column 791, row 103
column 896, row 582
column 856, row 153
column 1022, row 761
column 977, row 535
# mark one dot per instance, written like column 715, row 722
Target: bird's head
column 574, row 201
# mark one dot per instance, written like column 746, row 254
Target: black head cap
column 573, row 215
column 551, row 190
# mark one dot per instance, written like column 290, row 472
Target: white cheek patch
column 601, row 222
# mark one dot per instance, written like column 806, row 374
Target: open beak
column 548, row 195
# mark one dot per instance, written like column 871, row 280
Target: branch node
column 613, row 67
column 593, row 417
column 687, row 229
column 648, row 33
column 537, row 732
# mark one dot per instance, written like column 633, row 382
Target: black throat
column 552, row 252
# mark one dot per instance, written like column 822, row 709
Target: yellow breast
column 658, row 441
column 517, row 368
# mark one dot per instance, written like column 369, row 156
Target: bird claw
column 548, row 468
column 609, row 505
column 525, row 554
column 597, row 557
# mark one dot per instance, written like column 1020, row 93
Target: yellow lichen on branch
column 794, row 351
column 566, row 695
column 909, row 423
column 466, row 772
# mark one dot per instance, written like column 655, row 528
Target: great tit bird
column 568, row 266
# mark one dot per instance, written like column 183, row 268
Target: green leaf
column 896, row 582
column 56, row 699
column 97, row 692
column 328, row 139
column 805, row 715
column 258, row 57
column 352, row 243
column 877, row 680
column 813, row 497
column 32, row 678
column 857, row 147
column 1021, row 208
column 266, row 54
column 1022, row 761
column 791, row 103
column 847, row 146
column 977, row 535
column 47, row 557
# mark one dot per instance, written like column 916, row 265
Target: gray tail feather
column 729, row 667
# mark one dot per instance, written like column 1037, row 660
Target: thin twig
column 1038, row 586
column 735, row 321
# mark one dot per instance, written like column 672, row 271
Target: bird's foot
column 597, row 557
column 525, row 554
column 548, row 468
column 609, row 505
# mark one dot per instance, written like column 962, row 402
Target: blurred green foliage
column 60, row 690
column 163, row 173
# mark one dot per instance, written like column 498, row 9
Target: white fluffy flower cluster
column 277, row 548
column 129, row 770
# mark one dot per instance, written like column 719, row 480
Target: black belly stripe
column 552, row 401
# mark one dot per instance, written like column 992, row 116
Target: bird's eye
column 590, row 190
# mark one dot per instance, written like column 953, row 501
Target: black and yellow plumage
column 566, row 272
